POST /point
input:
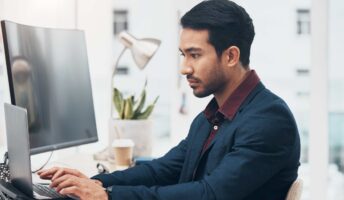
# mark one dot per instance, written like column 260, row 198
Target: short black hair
column 228, row 24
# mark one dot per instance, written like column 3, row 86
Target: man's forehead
column 193, row 39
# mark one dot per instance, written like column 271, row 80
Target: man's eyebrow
column 191, row 49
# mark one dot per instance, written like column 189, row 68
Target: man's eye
column 195, row 55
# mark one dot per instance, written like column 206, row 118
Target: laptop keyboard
column 46, row 191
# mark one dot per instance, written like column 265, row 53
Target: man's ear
column 232, row 56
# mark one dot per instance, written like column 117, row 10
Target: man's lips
column 193, row 82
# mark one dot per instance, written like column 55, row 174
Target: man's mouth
column 193, row 82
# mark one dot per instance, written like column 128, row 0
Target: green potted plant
column 133, row 120
column 131, row 109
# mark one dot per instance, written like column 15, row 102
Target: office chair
column 295, row 190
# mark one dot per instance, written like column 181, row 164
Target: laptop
column 18, row 145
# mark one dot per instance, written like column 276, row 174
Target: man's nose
column 186, row 68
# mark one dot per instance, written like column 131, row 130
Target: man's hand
column 56, row 172
column 83, row 188
column 73, row 182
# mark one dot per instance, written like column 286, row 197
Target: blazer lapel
column 224, row 126
column 218, row 135
column 196, row 147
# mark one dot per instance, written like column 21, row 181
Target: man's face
column 200, row 63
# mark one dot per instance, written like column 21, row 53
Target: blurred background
column 282, row 54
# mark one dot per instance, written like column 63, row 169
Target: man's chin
column 201, row 94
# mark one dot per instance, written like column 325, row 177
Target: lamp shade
column 142, row 50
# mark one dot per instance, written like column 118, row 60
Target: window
column 302, row 72
column 336, row 139
column 303, row 89
column 122, row 70
column 303, row 22
column 120, row 22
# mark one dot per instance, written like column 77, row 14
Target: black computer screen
column 48, row 75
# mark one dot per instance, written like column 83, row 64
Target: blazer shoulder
column 269, row 118
column 268, row 102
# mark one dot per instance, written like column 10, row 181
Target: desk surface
column 80, row 161
column 83, row 162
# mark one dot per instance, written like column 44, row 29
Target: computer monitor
column 49, row 76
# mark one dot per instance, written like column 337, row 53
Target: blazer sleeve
column 262, row 147
column 162, row 171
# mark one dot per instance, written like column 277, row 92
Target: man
column 244, row 145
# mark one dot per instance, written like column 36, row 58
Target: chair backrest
column 295, row 190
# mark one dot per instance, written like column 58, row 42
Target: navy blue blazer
column 253, row 156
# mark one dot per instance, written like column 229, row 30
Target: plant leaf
column 133, row 99
column 141, row 102
column 123, row 110
column 128, row 109
column 121, row 114
column 145, row 114
column 117, row 100
column 156, row 99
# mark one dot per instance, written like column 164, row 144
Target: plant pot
column 140, row 131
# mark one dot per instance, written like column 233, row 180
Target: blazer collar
column 233, row 102
column 259, row 87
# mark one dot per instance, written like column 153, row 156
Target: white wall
column 52, row 13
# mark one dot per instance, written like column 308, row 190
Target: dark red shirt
column 216, row 115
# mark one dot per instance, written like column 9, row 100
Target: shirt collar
column 233, row 102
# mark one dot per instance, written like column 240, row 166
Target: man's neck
column 234, row 81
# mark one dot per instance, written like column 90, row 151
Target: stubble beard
column 214, row 85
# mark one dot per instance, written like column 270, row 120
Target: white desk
column 80, row 161
column 83, row 162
